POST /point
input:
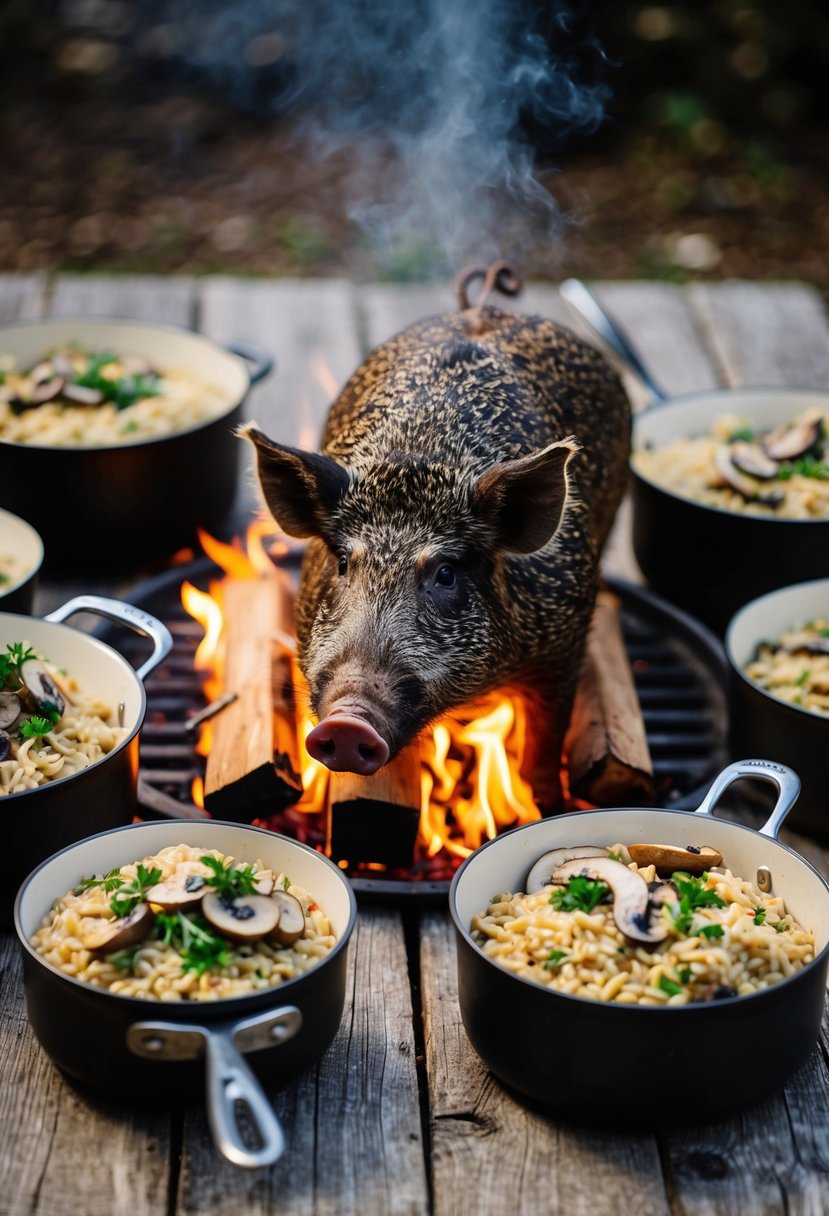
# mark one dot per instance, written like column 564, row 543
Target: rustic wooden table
column 400, row 1115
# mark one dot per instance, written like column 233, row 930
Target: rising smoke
column 438, row 103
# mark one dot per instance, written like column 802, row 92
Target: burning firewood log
column 607, row 748
column 252, row 768
column 375, row 819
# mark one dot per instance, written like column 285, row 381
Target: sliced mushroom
column 10, row 709
column 291, row 918
column 751, row 458
column 749, row 487
column 47, row 390
column 540, row 875
column 247, row 919
column 662, row 893
column 631, row 897
column 795, row 438
column 62, row 365
column 82, row 395
column 42, row 371
column 808, row 643
column 42, row 689
column 669, row 857
column 5, row 744
column 185, row 886
column 719, row 992
column 126, row 931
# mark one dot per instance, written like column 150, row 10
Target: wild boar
column 469, row 474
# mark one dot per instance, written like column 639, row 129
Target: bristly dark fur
column 427, row 414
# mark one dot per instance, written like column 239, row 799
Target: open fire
column 469, row 787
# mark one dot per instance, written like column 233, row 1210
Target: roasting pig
column 468, row 477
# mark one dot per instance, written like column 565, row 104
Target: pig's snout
column 347, row 745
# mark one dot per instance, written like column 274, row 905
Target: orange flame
column 471, row 783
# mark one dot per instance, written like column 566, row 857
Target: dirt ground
column 181, row 184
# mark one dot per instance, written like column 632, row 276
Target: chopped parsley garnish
column 684, row 974
column 34, row 727
column 581, row 894
column 709, row 931
column 129, row 894
column 228, row 881
column 803, row 677
column 615, row 856
column 780, row 927
column 286, row 882
column 200, row 947
column 110, row 882
column 554, row 959
column 669, row 986
column 760, row 916
column 744, row 433
column 824, row 633
column 121, row 391
column 806, row 466
column 124, row 960
column 11, row 662
column 693, row 893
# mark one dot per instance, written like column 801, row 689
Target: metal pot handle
column 125, row 614
column 229, row 1080
column 585, row 305
column 251, row 353
column 786, row 780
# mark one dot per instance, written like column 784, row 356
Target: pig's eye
column 342, row 567
column 445, row 576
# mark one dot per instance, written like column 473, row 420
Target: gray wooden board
column 490, row 1153
column 309, row 327
column 22, row 296
column 352, row 1125
column 776, row 333
column 165, row 300
column 64, row 1151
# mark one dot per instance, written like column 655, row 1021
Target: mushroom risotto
column 795, row 668
column 50, row 727
column 601, row 924
column 784, row 472
column 77, row 398
column 185, row 924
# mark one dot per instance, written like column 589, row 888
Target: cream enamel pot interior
column 20, row 541
column 40, row 821
column 166, row 1051
column 636, row 1066
column 707, row 560
column 798, row 737
column 111, row 505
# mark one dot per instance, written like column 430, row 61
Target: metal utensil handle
column 588, row 308
column 786, row 780
column 251, row 353
column 229, row 1080
column 125, row 614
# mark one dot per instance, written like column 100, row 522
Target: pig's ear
column 524, row 498
column 300, row 488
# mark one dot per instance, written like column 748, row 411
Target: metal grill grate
column 679, row 670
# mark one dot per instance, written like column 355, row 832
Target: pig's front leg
column 548, row 705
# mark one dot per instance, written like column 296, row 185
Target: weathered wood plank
column 164, row 299
column 770, row 333
column 22, row 296
column 489, row 1153
column 65, row 1151
column 352, row 1124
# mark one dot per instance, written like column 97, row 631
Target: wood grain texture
column 165, row 300
column 352, row 1124
column 776, row 333
column 489, row 1153
column 64, row 1150
column 22, row 296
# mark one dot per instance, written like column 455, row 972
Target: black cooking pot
column 167, row 1051
column 708, row 560
column 139, row 500
column 38, row 822
column 798, row 736
column 19, row 541
column 642, row 1066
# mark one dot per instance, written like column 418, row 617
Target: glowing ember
column 471, row 783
